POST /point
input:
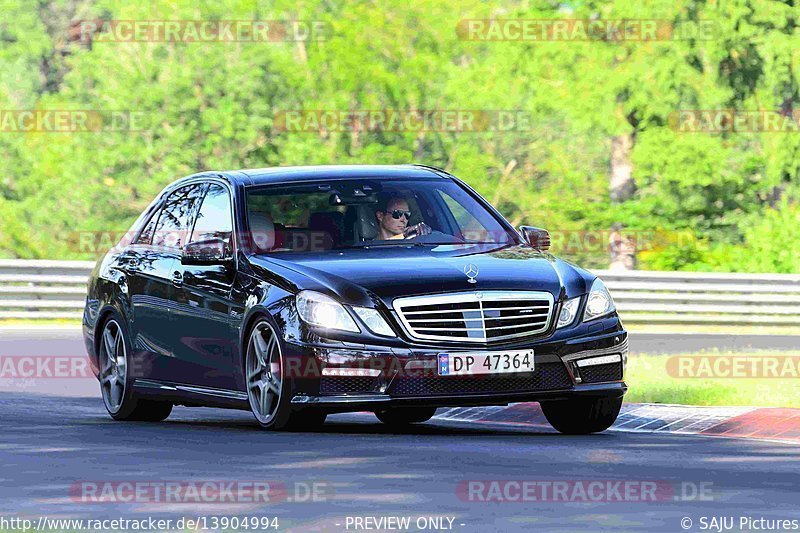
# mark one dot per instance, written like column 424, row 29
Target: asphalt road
column 51, row 445
column 57, row 440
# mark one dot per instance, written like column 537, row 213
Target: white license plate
column 471, row 363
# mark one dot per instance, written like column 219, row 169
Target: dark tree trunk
column 622, row 249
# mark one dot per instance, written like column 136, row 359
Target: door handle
column 177, row 278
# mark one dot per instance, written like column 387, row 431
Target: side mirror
column 214, row 251
column 537, row 237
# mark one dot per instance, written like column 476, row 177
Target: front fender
column 264, row 299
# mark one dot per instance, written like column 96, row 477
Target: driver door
column 206, row 323
column 155, row 296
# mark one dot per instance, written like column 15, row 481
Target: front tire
column 116, row 382
column 404, row 416
column 268, row 387
column 581, row 416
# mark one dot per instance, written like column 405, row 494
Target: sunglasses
column 396, row 214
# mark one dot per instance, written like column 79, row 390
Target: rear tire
column 403, row 416
column 116, row 381
column 581, row 416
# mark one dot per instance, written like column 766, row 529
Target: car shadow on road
column 82, row 411
column 334, row 427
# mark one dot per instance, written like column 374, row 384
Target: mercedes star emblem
column 471, row 272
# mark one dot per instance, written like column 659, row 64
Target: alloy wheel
column 264, row 367
column 113, row 366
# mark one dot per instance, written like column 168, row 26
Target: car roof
column 263, row 176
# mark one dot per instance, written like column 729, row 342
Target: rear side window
column 146, row 236
column 214, row 218
column 290, row 209
column 176, row 217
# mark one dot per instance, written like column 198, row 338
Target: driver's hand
column 417, row 230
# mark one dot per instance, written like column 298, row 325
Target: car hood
column 358, row 276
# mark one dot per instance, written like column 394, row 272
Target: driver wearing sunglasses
column 393, row 215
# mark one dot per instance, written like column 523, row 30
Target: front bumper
column 371, row 402
column 346, row 377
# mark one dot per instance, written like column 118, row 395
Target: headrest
column 262, row 231
column 366, row 222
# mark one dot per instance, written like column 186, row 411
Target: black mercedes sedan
column 297, row 292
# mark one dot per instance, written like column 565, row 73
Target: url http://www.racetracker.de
column 198, row 523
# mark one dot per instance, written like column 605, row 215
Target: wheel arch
column 102, row 317
column 252, row 318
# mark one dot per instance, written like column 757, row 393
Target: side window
column 146, row 236
column 175, row 220
column 214, row 218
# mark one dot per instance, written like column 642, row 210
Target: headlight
column 374, row 321
column 599, row 302
column 319, row 310
column 568, row 312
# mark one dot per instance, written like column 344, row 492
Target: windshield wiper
column 388, row 244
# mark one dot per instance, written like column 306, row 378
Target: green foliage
column 771, row 242
column 724, row 201
column 650, row 382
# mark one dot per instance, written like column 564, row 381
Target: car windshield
column 335, row 214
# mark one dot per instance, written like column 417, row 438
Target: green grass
column 731, row 329
column 23, row 323
column 649, row 382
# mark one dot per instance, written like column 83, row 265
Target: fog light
column 344, row 371
column 603, row 360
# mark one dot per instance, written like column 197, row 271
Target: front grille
column 546, row 376
column 476, row 316
column 601, row 373
column 347, row 385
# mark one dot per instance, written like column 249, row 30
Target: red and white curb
column 751, row 422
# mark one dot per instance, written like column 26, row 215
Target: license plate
column 473, row 363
